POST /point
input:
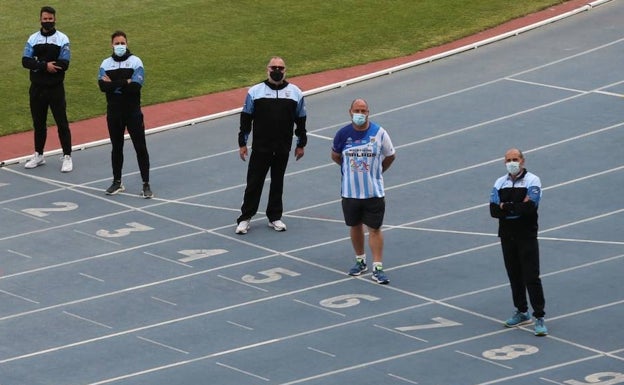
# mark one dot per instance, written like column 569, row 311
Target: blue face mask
column 119, row 50
column 358, row 119
column 513, row 167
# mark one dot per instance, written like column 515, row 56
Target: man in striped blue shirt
column 364, row 151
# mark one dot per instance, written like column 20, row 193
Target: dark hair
column 47, row 9
column 118, row 33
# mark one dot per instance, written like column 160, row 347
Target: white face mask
column 513, row 167
column 359, row 119
column 119, row 49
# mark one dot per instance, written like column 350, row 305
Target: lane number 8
column 510, row 352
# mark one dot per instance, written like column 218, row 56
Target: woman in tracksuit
column 121, row 77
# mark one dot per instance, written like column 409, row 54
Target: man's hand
column 242, row 152
column 299, row 151
column 52, row 68
column 105, row 78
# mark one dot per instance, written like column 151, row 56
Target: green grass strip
column 197, row 47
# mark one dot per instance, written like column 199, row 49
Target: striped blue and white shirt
column 362, row 153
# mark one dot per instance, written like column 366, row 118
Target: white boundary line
column 344, row 83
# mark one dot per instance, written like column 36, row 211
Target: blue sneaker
column 518, row 319
column 540, row 328
column 359, row 268
column 379, row 277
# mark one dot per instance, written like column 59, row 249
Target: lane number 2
column 43, row 212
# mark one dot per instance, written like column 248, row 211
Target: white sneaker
column 242, row 227
column 68, row 165
column 36, row 160
column 278, row 225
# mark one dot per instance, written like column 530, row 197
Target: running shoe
column 147, row 191
column 67, row 165
column 36, row 160
column 115, row 188
column 540, row 328
column 519, row 318
column 379, row 276
column 278, row 225
column 359, row 268
column 242, row 227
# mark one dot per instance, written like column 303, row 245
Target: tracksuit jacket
column 273, row 110
column 517, row 218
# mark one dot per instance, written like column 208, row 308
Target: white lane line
column 393, row 330
column 18, row 296
column 243, row 371
column 505, row 380
column 483, row 359
column 242, row 283
column 91, row 277
column 86, row 319
column 163, row 345
column 552, row 273
column 194, row 255
column 208, row 312
column 129, row 289
column 96, row 237
column 26, row 215
column 587, row 310
column 18, row 253
column 164, row 301
column 551, row 381
column 240, row 325
column 574, row 240
column 319, row 307
column 321, row 352
column 584, row 220
column 610, row 94
column 103, row 255
column 402, row 379
column 166, row 259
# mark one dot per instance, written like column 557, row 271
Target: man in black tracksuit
column 514, row 200
column 272, row 108
column 47, row 56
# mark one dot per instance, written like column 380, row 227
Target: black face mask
column 47, row 25
column 277, row 75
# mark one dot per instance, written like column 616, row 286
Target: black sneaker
column 115, row 188
column 147, row 191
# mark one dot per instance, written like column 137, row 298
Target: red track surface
column 20, row 145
